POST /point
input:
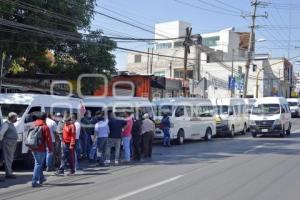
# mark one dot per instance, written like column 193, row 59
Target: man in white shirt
column 148, row 128
column 49, row 157
column 77, row 145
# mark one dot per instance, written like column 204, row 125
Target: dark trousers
column 68, row 156
column 137, row 145
column 147, row 140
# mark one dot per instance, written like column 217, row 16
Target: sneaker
column 43, row 180
column 116, row 162
column 70, row 173
column 36, row 185
column 10, row 176
column 59, row 173
column 107, row 162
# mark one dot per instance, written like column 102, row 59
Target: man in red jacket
column 39, row 153
column 68, row 136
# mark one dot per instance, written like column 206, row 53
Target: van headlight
column 252, row 123
column 277, row 122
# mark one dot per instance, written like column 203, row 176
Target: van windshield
column 292, row 104
column 165, row 109
column 17, row 108
column 266, row 109
column 222, row 110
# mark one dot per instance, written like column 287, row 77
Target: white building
column 212, row 62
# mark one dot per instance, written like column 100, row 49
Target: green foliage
column 74, row 53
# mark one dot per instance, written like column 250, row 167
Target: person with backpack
column 68, row 140
column 9, row 139
column 137, row 138
column 39, row 140
column 165, row 126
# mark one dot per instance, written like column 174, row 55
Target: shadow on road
column 66, row 184
column 21, row 179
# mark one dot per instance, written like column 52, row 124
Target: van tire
column 288, row 132
column 28, row 161
column 180, row 137
column 232, row 132
column 244, row 131
column 208, row 134
column 283, row 132
column 254, row 135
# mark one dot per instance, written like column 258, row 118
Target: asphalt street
column 239, row 168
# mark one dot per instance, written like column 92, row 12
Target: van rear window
column 17, row 108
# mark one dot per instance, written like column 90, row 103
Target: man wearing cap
column 148, row 129
column 9, row 138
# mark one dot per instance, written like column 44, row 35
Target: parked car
column 294, row 105
column 270, row 115
column 191, row 118
column 26, row 106
column 231, row 116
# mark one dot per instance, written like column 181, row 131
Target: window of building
column 161, row 73
column 211, row 41
column 180, row 74
column 178, row 44
column 137, row 58
column 163, row 45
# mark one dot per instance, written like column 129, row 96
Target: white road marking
column 254, row 148
column 296, row 131
column 123, row 196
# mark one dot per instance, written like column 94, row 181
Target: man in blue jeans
column 165, row 126
column 39, row 153
column 101, row 133
column 126, row 137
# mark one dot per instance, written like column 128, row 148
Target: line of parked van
column 191, row 118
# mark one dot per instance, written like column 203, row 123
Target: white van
column 294, row 105
column 231, row 116
column 191, row 118
column 26, row 105
column 136, row 105
column 270, row 115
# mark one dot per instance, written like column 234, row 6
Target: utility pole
column 232, row 64
column 151, row 62
column 251, row 46
column 148, row 61
column 1, row 73
column 187, row 43
column 170, row 67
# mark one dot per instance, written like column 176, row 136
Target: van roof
column 270, row 100
column 227, row 101
column 180, row 100
column 112, row 101
column 292, row 100
column 27, row 99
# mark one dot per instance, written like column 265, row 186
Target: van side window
column 189, row 110
column 287, row 108
column 282, row 107
column 31, row 114
column 207, row 111
column 179, row 111
column 236, row 109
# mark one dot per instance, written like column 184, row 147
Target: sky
column 281, row 26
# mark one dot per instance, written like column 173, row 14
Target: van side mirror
column 230, row 113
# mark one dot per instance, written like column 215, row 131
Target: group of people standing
column 67, row 140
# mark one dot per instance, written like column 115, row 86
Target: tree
column 30, row 28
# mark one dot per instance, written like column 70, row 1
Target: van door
column 237, row 119
column 180, row 120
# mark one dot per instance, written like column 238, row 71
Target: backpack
column 34, row 137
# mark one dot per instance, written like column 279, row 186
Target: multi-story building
column 210, row 65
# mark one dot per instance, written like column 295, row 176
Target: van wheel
column 283, row 133
column 254, row 135
column 180, row 137
column 28, row 161
column 232, row 132
column 288, row 132
column 208, row 134
column 244, row 131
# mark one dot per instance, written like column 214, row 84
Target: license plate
column 264, row 130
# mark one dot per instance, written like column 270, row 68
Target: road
column 242, row 168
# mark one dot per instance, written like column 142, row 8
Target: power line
column 205, row 9
column 216, row 6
